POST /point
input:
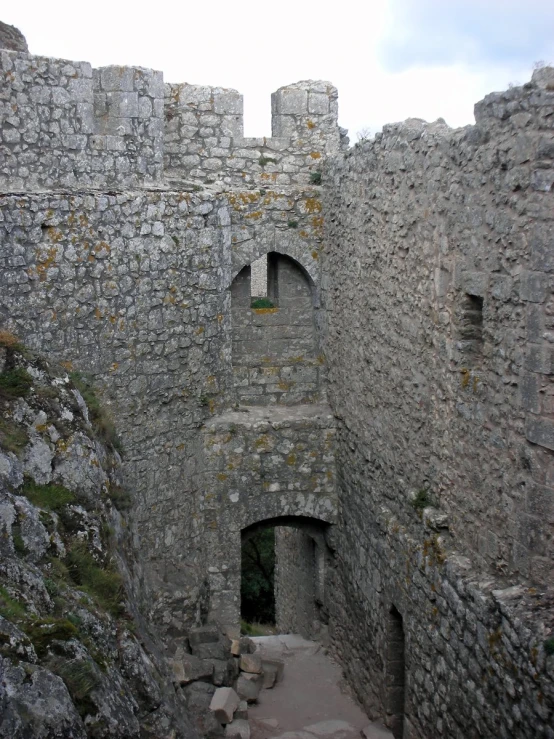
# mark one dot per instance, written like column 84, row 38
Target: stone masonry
column 415, row 276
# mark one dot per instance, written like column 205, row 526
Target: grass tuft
column 422, row 499
column 104, row 584
column 43, row 631
column 52, row 497
column 15, row 383
column 10, row 608
column 262, row 303
column 13, row 437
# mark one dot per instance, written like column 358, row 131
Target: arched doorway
column 301, row 565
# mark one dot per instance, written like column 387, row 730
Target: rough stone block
column 242, row 711
column 273, row 672
column 249, row 686
column 251, row 663
column 235, row 647
column 188, row 668
column 540, row 431
column 533, row 286
column 239, row 729
column 204, row 635
column 223, row 705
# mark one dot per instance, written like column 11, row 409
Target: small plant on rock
column 315, row 178
column 15, row 383
column 262, row 303
column 421, row 499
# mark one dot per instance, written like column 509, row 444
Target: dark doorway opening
column 396, row 673
column 257, row 589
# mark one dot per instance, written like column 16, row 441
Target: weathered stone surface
column 239, row 729
column 251, row 663
column 249, row 686
column 11, row 38
column 187, row 668
column 273, row 670
column 224, row 704
column 35, row 703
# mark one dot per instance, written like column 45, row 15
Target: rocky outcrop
column 11, row 38
column 74, row 662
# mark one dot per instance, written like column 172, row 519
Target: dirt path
column 308, row 703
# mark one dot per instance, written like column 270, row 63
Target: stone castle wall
column 433, row 289
column 439, row 303
column 68, row 125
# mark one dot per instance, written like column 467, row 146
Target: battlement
column 65, row 124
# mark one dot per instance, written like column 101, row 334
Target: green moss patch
column 10, row 608
column 52, row 497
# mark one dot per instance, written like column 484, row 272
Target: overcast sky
column 390, row 59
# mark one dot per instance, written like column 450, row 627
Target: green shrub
column 43, row 631
column 52, row 497
column 121, row 498
column 315, row 178
column 9, row 607
column 15, row 383
column 422, row 499
column 104, row 585
column 262, row 303
column 292, row 224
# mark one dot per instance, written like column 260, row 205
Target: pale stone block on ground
column 242, row 710
column 251, row 663
column 376, row 730
column 224, row 704
column 239, row 729
column 249, row 686
column 272, row 671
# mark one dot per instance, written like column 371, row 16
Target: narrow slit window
column 470, row 324
column 263, row 282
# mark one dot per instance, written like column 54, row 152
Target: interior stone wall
column 303, row 582
column 438, row 301
column 275, row 357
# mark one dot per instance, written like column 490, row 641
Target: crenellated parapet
column 204, row 137
column 67, row 125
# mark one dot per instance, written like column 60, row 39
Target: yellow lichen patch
column 67, row 365
column 299, row 358
column 219, row 317
column 284, row 386
column 321, row 359
column 114, row 366
column 315, row 155
column 211, row 406
column 304, row 234
column 262, row 444
column 41, row 427
column 466, row 375
column 180, row 447
column 257, row 214
column 265, row 310
column 98, row 313
column 310, row 124
column 222, row 476
column 199, row 330
column 113, row 320
column 291, row 459
column 315, row 254
column 312, row 205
